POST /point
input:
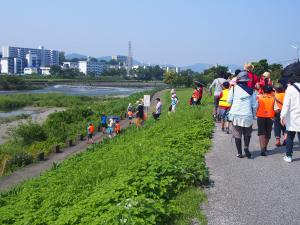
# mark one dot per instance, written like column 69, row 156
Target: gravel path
column 35, row 170
column 259, row 191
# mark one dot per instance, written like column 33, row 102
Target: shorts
column 238, row 131
column 155, row 115
column 264, row 126
column 224, row 114
column 104, row 125
column 90, row 136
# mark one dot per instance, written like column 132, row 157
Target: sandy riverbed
column 39, row 116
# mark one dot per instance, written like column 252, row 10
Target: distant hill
column 200, row 67
column 74, row 55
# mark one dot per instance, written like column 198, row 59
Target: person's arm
column 254, row 103
column 286, row 105
column 230, row 96
column 211, row 86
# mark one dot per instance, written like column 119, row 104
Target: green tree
column 55, row 70
column 62, row 58
column 260, row 67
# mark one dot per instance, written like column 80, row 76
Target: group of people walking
column 246, row 97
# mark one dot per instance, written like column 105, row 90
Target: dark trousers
column 278, row 128
column 290, row 142
column 155, row 115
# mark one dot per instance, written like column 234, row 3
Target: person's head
column 236, row 72
column 173, row 91
column 90, row 124
column 158, row 99
column 242, row 77
column 129, row 104
column 267, row 89
column 137, row 102
column 291, row 74
column 248, row 67
column 221, row 74
column 226, row 85
column 266, row 75
column 279, row 88
column 173, row 95
column 103, row 113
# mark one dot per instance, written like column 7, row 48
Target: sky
column 179, row 32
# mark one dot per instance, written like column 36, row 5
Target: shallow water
column 80, row 90
column 16, row 113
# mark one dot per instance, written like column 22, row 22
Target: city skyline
column 169, row 32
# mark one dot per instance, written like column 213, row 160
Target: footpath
column 259, row 191
column 34, row 170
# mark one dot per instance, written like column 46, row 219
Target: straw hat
column 248, row 67
column 266, row 75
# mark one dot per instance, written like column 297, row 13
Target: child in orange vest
column 91, row 130
column 265, row 115
column 278, row 127
column 118, row 127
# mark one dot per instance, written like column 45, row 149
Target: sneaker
column 263, row 153
column 227, row 130
column 240, row 156
column 223, row 129
column 287, row 159
column 249, row 156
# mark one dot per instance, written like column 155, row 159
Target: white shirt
column 158, row 108
column 291, row 108
column 218, row 86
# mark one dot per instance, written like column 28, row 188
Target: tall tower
column 129, row 58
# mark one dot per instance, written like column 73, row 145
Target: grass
column 145, row 176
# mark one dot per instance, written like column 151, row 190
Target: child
column 118, row 127
column 174, row 102
column 103, row 122
column 91, row 130
column 194, row 98
column 130, row 116
column 224, row 106
column 111, row 128
column 278, row 127
column 265, row 115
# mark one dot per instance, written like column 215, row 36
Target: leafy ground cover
column 30, row 139
column 140, row 177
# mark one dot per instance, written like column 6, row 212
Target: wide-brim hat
column 243, row 76
column 266, row 74
column 248, row 67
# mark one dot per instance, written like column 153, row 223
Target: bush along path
column 34, row 170
column 144, row 176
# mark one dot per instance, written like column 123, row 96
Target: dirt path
column 39, row 116
column 35, row 170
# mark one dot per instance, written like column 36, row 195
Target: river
column 81, row 90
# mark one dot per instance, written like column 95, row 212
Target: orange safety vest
column 91, row 129
column 118, row 128
column 130, row 114
column 223, row 101
column 279, row 99
column 265, row 106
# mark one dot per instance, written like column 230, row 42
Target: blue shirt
column 103, row 119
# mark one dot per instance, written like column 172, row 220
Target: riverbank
column 38, row 115
column 142, row 176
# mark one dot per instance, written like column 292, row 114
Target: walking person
column 224, row 107
column 279, row 129
column 217, row 84
column 158, row 108
column 265, row 116
column 139, row 114
column 174, row 102
column 91, row 130
column 290, row 113
column 103, row 122
column 243, row 107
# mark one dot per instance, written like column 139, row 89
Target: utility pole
column 129, row 59
column 297, row 50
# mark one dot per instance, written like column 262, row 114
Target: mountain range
column 198, row 67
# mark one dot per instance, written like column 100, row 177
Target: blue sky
column 162, row 31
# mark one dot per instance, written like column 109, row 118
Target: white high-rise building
column 32, row 57
column 88, row 66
